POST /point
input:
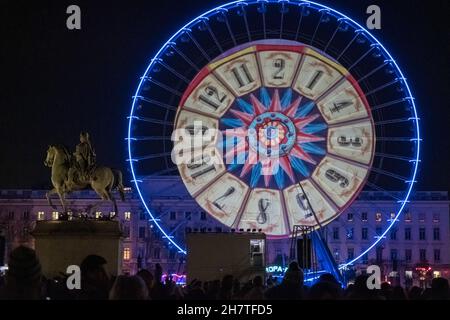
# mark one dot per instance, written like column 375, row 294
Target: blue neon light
column 343, row 19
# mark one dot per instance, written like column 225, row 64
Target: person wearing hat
column 24, row 276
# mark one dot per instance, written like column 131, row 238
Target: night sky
column 56, row 82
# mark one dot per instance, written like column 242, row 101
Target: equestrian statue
column 79, row 171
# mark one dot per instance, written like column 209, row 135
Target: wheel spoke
column 199, row 47
column 390, row 174
column 333, row 35
column 390, row 83
column 149, row 138
column 297, row 33
column 385, row 63
column 163, row 86
column 213, row 36
column 393, row 156
column 185, row 58
column 150, row 156
column 152, row 120
column 157, row 103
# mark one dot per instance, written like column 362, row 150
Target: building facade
column 416, row 249
column 20, row 209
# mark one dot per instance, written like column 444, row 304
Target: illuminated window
column 112, row 214
column 364, row 216
column 55, row 215
column 70, row 215
column 436, row 274
column 350, row 217
column 98, row 215
column 126, row 254
column 41, row 215
column 378, row 217
column 127, row 216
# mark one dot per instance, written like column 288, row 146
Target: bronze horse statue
column 102, row 179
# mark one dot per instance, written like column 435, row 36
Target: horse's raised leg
column 63, row 200
column 114, row 206
column 49, row 200
column 106, row 195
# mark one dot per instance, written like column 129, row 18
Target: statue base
column 60, row 244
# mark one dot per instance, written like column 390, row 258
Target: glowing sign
column 276, row 269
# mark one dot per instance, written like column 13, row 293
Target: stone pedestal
column 59, row 244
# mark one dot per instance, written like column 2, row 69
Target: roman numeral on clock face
column 353, row 141
column 338, row 106
column 194, row 129
column 201, row 163
column 203, row 171
column 242, row 75
column 315, row 79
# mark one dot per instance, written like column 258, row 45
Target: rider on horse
column 85, row 159
column 85, row 155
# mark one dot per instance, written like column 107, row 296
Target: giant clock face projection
column 273, row 134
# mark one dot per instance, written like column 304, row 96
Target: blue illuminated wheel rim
column 170, row 71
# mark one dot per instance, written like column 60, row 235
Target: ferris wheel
column 302, row 109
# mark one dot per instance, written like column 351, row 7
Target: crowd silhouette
column 24, row 281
